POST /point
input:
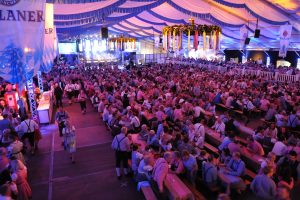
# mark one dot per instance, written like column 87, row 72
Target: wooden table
column 252, row 160
column 177, row 189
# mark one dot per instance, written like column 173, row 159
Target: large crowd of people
column 172, row 108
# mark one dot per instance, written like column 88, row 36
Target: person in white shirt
column 279, row 148
column 121, row 145
column 28, row 127
column 69, row 88
column 219, row 126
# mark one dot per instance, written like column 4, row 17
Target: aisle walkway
column 53, row 176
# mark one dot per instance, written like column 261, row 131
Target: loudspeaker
column 257, row 33
column 247, row 41
column 104, row 33
column 160, row 40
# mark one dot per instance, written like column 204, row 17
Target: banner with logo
column 285, row 33
column 22, row 35
column 50, row 42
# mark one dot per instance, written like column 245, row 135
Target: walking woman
column 19, row 176
column 82, row 100
column 70, row 140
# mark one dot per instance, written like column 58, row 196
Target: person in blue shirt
column 235, row 167
column 292, row 120
column 217, row 98
column 226, row 141
column 263, row 186
column 190, row 165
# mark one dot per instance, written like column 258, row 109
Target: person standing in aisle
column 69, row 90
column 69, row 139
column 28, row 127
column 58, row 93
column 60, row 118
column 82, row 101
column 121, row 145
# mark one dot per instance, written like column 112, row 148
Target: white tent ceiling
column 145, row 18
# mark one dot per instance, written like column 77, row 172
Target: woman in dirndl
column 69, row 140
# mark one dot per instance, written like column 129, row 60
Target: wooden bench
column 250, row 174
column 211, row 148
column 148, row 193
column 196, row 193
column 177, row 189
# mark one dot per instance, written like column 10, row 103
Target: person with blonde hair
column 69, row 139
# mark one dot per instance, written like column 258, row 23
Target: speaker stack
column 104, row 32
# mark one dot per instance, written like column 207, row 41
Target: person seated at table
column 185, row 145
column 144, row 132
column 235, row 167
column 233, row 172
column 190, row 165
column 165, row 144
column 177, row 164
column 248, row 107
column 263, row 186
column 160, row 171
column 270, row 114
column 144, row 170
column 280, row 119
column 234, row 146
column 152, row 140
column 254, row 147
column 289, row 163
column 225, row 157
column 271, row 132
column 226, row 141
column 293, row 121
column 209, row 172
column 259, row 134
column 136, row 157
column 280, row 148
column 219, row 126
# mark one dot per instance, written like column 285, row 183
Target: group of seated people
column 251, row 65
column 172, row 107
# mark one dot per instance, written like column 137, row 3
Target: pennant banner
column 50, row 42
column 285, row 35
column 22, row 35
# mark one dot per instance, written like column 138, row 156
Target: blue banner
column 22, row 36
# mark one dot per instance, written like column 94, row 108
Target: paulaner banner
column 22, row 30
column 285, row 35
column 50, row 42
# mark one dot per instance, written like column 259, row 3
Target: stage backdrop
column 22, row 35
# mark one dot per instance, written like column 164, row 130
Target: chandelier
column 122, row 43
column 172, row 36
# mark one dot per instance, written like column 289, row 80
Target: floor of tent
column 53, row 176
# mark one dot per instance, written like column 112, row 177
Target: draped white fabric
column 143, row 18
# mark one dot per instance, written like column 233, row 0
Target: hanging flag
column 22, row 37
column 285, row 35
column 204, row 40
column 243, row 35
column 156, row 41
column 196, row 40
column 50, row 41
